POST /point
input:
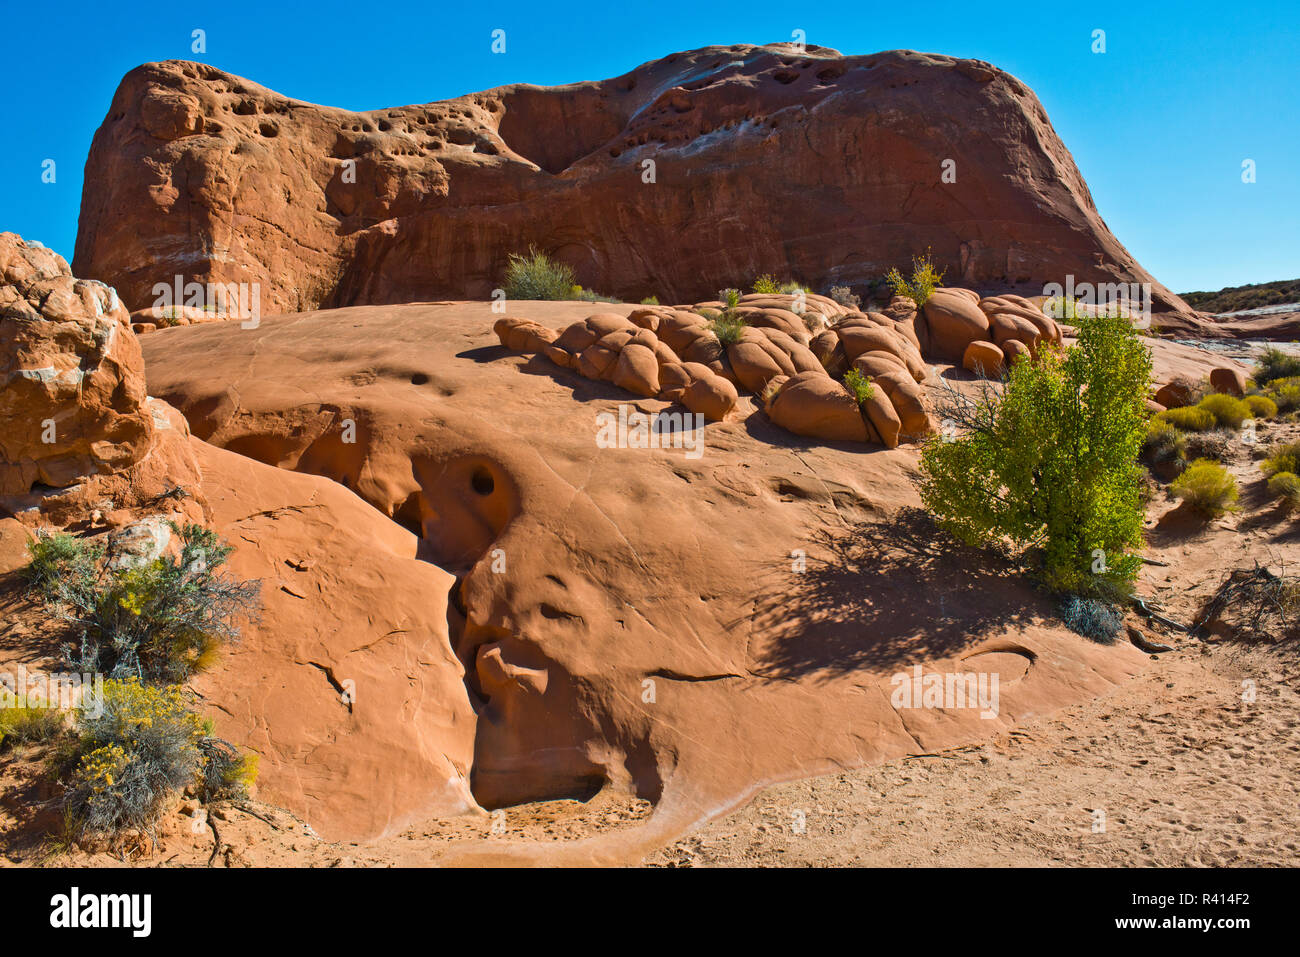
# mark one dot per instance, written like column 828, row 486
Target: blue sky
column 1159, row 124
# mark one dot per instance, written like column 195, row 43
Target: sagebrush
column 160, row 621
column 537, row 276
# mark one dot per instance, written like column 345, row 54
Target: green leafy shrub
column 1228, row 411
column 1274, row 364
column 650, row 301
column 1207, row 487
column 159, row 621
column 791, row 288
column 1091, row 618
column 924, row 280
column 537, row 276
column 730, row 297
column 859, row 385
column 1282, row 458
column 1286, row 486
column 1051, row 464
column 1261, row 407
column 1189, row 418
column 766, row 285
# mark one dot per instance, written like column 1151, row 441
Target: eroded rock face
column 626, row 617
column 821, row 162
column 346, row 686
column 72, row 394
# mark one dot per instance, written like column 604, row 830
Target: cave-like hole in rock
column 482, row 482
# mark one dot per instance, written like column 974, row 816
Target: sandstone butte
column 823, row 167
column 525, row 614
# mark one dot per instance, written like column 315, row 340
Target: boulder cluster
column 794, row 351
column 984, row 335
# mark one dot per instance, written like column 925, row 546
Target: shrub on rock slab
column 923, row 281
column 537, row 276
column 1051, row 463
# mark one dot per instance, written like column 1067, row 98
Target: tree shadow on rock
column 883, row 596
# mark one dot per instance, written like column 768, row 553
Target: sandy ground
column 1175, row 766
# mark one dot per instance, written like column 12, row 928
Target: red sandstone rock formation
column 627, row 617
column 72, row 395
column 766, row 159
column 346, row 605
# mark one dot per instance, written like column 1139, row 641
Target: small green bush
column 1275, row 364
column 28, row 723
column 160, row 621
column 791, row 288
column 578, row 294
column 859, row 385
column 650, row 301
column 1285, row 393
column 766, row 285
column 1228, row 411
column 1207, row 486
column 1091, row 618
column 225, row 773
column 1282, row 458
column 1163, row 443
column 924, row 280
column 1261, row 407
column 536, row 276
column 1286, row 486
column 1188, row 418
column 728, row 327
column 58, row 555
column 730, row 297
